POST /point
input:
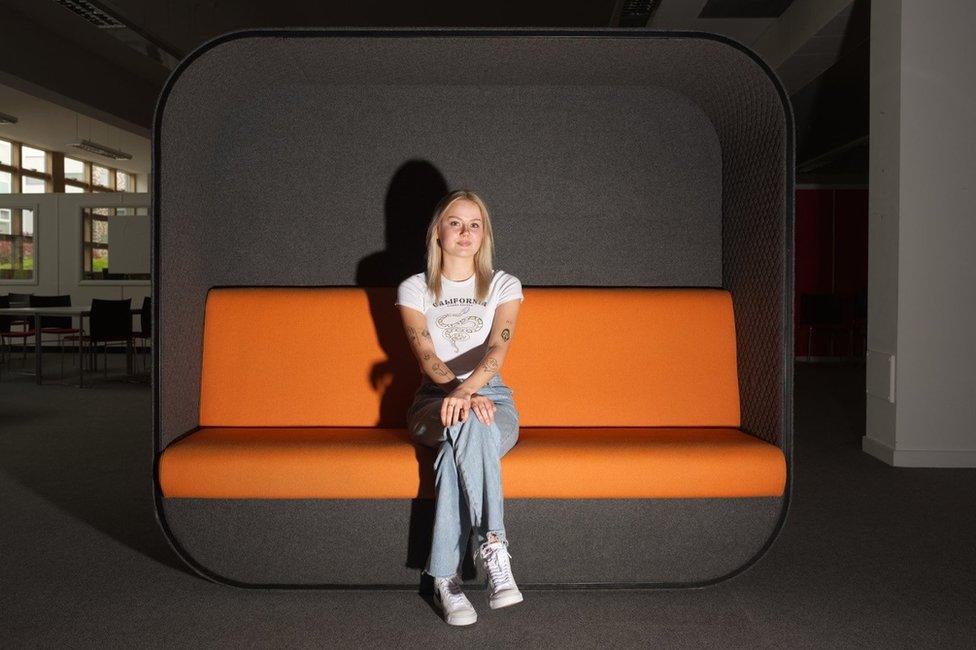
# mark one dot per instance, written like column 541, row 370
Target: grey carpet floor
column 870, row 556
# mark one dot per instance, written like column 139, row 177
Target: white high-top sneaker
column 456, row 607
column 501, row 583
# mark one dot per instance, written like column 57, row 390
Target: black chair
column 110, row 322
column 7, row 332
column 59, row 325
column 21, row 300
column 824, row 311
column 145, row 331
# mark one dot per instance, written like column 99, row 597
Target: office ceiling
column 107, row 60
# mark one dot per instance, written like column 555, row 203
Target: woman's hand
column 455, row 406
column 484, row 408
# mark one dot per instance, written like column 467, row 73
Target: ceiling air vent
column 637, row 13
column 130, row 35
column 90, row 12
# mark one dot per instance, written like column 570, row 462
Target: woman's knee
column 508, row 441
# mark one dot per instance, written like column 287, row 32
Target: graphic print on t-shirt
column 458, row 323
column 458, row 327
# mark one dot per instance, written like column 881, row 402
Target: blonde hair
column 482, row 259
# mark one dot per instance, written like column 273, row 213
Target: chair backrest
column 20, row 299
column 6, row 321
column 111, row 320
column 52, row 301
column 338, row 356
column 821, row 309
column 145, row 317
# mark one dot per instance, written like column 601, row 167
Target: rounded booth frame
column 788, row 275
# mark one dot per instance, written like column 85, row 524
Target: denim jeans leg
column 479, row 469
column 450, row 531
column 468, row 472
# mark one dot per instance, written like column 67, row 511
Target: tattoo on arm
column 506, row 334
column 439, row 369
column 412, row 336
column 491, row 366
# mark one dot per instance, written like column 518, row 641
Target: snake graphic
column 459, row 330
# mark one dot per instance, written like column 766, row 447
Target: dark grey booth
column 607, row 157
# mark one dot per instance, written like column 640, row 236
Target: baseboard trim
column 960, row 458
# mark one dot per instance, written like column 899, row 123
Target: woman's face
column 461, row 229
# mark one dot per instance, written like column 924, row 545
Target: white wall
column 922, row 274
column 58, row 250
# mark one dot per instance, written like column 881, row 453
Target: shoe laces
column 453, row 588
column 496, row 557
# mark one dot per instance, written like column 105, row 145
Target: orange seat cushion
column 622, row 393
column 554, row 463
column 596, row 357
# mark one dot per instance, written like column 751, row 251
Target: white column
column 921, row 360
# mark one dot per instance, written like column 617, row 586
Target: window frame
column 35, row 209
column 88, row 217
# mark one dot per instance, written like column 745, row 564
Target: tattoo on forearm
column 426, row 356
column 506, row 334
column 439, row 369
column 412, row 336
column 426, row 335
column 491, row 366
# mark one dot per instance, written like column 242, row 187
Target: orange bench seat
column 547, row 462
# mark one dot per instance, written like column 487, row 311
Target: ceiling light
column 7, row 119
column 101, row 150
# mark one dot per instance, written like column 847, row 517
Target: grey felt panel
column 590, row 183
column 386, row 541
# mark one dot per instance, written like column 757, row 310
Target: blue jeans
column 468, row 481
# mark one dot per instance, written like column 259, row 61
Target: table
column 80, row 313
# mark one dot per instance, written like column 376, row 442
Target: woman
column 459, row 317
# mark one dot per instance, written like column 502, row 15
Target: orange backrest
column 338, row 356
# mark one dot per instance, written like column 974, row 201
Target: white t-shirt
column 458, row 325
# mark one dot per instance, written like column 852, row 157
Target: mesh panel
column 756, row 233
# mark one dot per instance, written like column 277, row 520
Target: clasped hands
column 458, row 402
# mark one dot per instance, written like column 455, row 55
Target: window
column 16, row 244
column 32, row 185
column 29, row 170
column 33, row 159
column 24, row 169
column 129, row 228
column 7, row 168
column 74, row 170
column 101, row 176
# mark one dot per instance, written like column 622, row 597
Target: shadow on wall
column 414, row 192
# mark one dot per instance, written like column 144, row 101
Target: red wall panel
column 831, row 251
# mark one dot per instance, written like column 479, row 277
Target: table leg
column 37, row 346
